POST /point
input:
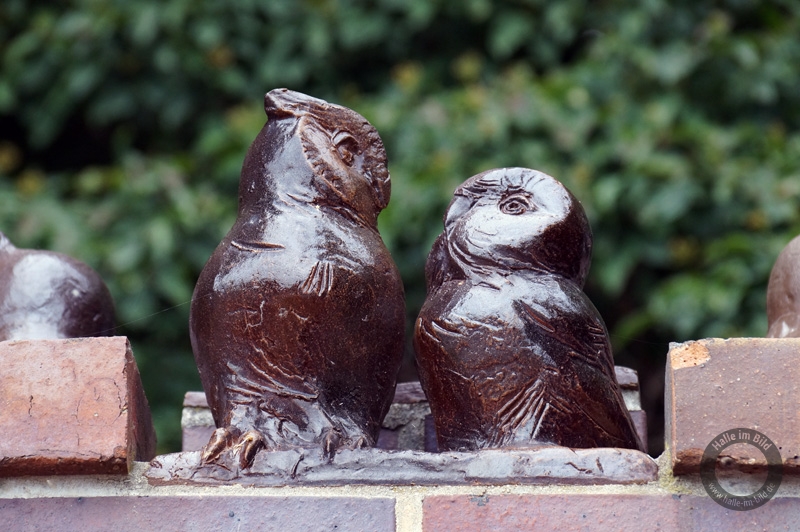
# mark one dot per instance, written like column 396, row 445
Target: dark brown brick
column 408, row 424
column 409, row 392
column 627, row 378
column 195, row 400
column 639, row 418
column 72, row 406
column 404, row 426
column 620, row 513
column 196, row 438
column 199, row 514
column 717, row 385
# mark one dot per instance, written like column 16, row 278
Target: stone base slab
column 544, row 465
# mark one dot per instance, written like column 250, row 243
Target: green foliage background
column 677, row 124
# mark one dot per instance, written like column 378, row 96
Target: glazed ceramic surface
column 297, row 318
column 48, row 295
column 511, row 352
column 783, row 293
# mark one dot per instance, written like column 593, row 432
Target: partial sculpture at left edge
column 49, row 295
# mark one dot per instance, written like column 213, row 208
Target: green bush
column 676, row 124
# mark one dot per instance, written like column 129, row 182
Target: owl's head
column 344, row 151
column 518, row 219
column 49, row 295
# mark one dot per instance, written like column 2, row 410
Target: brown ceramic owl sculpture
column 511, row 352
column 783, row 293
column 297, row 318
column 48, row 295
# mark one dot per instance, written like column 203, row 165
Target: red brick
column 405, row 392
column 72, row 406
column 627, row 378
column 200, row 514
column 717, row 385
column 620, row 513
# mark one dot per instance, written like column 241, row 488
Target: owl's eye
column 347, row 147
column 516, row 204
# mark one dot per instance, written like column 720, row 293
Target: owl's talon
column 249, row 444
column 221, row 439
column 330, row 443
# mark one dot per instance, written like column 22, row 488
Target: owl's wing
column 587, row 343
column 262, row 370
column 584, row 385
column 435, row 339
column 452, row 389
column 319, row 280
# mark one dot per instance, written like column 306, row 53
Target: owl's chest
column 296, row 255
column 504, row 323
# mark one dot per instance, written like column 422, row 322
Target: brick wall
column 546, row 492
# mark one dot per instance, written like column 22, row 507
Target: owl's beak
column 460, row 204
column 275, row 106
column 281, row 103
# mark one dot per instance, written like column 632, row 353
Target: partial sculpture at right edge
column 511, row 352
column 783, row 294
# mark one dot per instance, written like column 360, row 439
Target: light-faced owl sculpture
column 297, row 319
column 48, row 295
column 783, row 293
column 511, row 352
